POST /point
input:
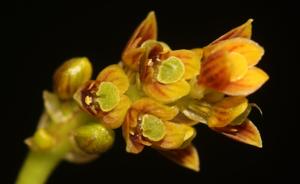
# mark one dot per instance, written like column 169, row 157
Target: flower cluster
column 157, row 95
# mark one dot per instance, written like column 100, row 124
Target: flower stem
column 38, row 165
column 37, row 168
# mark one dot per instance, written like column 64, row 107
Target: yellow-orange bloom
column 148, row 123
column 104, row 97
column 164, row 72
column 229, row 117
column 228, row 64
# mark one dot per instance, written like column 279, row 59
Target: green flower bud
column 94, row 138
column 70, row 75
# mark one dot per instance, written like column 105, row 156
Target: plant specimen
column 157, row 95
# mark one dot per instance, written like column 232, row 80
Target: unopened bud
column 70, row 75
column 94, row 138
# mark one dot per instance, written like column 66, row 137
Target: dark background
column 38, row 37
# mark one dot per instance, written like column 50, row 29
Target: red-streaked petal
column 147, row 30
column 191, row 61
column 251, row 82
column 246, row 133
column 115, row 75
column 251, row 50
column 176, row 135
column 132, row 146
column 149, row 106
column 166, row 93
column 215, row 71
column 244, row 31
column 225, row 111
column 187, row 157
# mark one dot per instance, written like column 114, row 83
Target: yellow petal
column 115, row 118
column 166, row 93
column 238, row 66
column 246, row 133
column 115, row 75
column 247, row 48
column 149, row 106
column 187, row 157
column 225, row 111
column 244, row 31
column 198, row 51
column 147, row 30
column 191, row 61
column 176, row 135
column 131, row 145
column 251, row 82
column 215, row 71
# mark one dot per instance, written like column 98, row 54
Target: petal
column 215, row 71
column 225, row 111
column 246, row 133
column 166, row 93
column 251, row 82
column 244, row 31
column 181, row 118
column 131, row 145
column 198, row 51
column 149, row 106
column 132, row 58
column 247, row 48
column 176, row 136
column 114, row 119
column 196, row 110
column 191, row 61
column 238, row 66
column 187, row 157
column 147, row 30
column 115, row 75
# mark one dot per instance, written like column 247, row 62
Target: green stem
column 37, row 167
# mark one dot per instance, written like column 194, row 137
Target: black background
column 39, row 36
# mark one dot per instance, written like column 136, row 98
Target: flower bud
column 70, row 75
column 94, row 138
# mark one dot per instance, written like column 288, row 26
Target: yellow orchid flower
column 104, row 97
column 164, row 72
column 149, row 123
column 227, row 116
column 228, row 64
